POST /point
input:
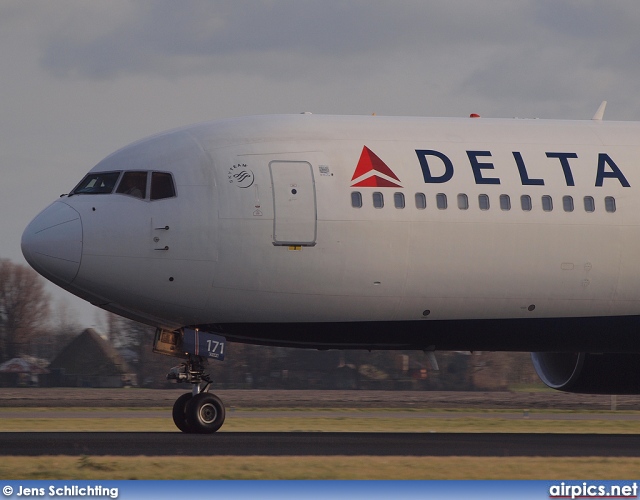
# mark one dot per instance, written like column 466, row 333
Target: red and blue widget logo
column 371, row 171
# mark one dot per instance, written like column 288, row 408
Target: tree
column 64, row 327
column 135, row 340
column 24, row 308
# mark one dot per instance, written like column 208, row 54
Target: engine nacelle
column 588, row 373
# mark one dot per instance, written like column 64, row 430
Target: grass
column 318, row 420
column 223, row 467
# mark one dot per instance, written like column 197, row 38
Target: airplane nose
column 52, row 243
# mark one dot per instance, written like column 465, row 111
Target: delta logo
column 371, row 171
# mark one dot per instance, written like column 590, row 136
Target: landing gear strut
column 198, row 411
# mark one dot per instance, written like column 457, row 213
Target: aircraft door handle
column 165, row 228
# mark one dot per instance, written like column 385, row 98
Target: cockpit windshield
column 141, row 184
column 97, row 183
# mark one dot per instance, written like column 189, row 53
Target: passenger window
column 610, row 204
column 567, row 203
column 162, row 186
column 356, row 199
column 505, row 202
column 441, row 201
column 398, row 200
column 483, row 201
column 463, row 201
column 547, row 203
column 525, row 202
column 378, row 200
column 98, row 183
column 589, row 204
column 421, row 201
column 133, row 184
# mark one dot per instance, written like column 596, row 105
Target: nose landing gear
column 198, row 411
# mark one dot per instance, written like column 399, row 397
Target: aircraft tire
column 180, row 412
column 205, row 413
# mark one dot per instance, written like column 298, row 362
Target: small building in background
column 89, row 361
column 22, row 371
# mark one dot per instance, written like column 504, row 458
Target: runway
column 318, row 444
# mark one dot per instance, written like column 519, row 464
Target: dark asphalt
column 318, row 444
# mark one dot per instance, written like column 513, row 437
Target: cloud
column 525, row 57
column 167, row 37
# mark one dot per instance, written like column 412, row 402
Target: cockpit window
column 97, row 183
column 162, row 186
column 133, row 184
column 136, row 183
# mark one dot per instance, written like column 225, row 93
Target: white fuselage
column 265, row 226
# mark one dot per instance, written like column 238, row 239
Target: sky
column 81, row 79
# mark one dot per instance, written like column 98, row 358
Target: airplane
column 364, row 232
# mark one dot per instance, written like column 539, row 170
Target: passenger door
column 294, row 203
